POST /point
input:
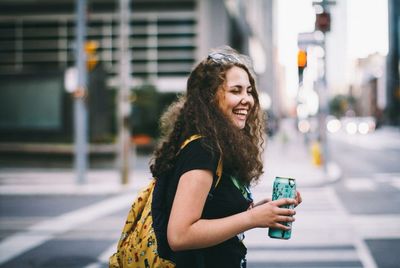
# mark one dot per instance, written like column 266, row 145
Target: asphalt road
column 354, row 222
column 370, row 190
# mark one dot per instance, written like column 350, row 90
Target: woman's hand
column 263, row 201
column 269, row 214
column 298, row 198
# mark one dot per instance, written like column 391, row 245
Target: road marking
column 392, row 178
column 387, row 177
column 377, row 226
column 362, row 248
column 44, row 231
column 329, row 230
column 396, row 184
column 360, row 184
column 378, row 140
column 286, row 255
column 337, row 235
column 25, row 182
column 103, row 257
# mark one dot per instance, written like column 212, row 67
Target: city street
column 370, row 190
column 352, row 222
column 85, row 85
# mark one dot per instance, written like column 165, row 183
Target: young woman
column 199, row 220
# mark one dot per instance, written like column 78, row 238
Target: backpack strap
column 190, row 139
column 218, row 172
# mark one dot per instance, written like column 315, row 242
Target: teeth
column 241, row 112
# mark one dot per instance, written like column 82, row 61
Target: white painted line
column 301, row 255
column 373, row 141
column 387, row 177
column 103, row 257
column 362, row 248
column 64, row 189
column 334, row 171
column 396, row 184
column 377, row 226
column 23, row 182
column 360, row 185
column 44, row 231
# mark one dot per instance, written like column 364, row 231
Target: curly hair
column 198, row 112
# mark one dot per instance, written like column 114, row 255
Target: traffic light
column 301, row 63
column 323, row 22
column 91, row 54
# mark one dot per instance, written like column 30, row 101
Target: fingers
column 283, row 219
column 285, row 201
column 298, row 197
column 263, row 201
column 285, row 211
column 282, row 227
column 276, row 213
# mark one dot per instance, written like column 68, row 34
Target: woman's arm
column 187, row 231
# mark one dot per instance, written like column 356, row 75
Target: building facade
column 393, row 64
column 167, row 38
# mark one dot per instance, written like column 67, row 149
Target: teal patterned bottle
column 283, row 188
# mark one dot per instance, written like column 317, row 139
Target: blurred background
column 83, row 84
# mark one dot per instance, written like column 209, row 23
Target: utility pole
column 323, row 24
column 124, row 94
column 80, row 109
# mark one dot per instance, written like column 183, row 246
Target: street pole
column 124, row 96
column 80, row 109
column 323, row 22
column 324, row 109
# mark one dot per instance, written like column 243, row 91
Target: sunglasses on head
column 223, row 58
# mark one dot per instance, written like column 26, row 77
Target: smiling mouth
column 241, row 113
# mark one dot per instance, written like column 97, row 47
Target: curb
column 331, row 175
column 77, row 190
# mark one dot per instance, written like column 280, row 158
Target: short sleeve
column 195, row 156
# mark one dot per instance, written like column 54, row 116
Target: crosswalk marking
column 392, row 178
column 383, row 139
column 103, row 257
column 387, row 177
column 371, row 184
column 381, row 227
column 326, row 244
column 314, row 227
column 396, row 184
column 287, row 255
column 360, row 184
column 44, row 231
column 39, row 182
column 362, row 249
column 323, row 232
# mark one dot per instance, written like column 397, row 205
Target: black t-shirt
column 224, row 200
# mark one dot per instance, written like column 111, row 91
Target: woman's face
column 235, row 97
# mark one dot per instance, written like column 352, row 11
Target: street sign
column 307, row 39
column 71, row 79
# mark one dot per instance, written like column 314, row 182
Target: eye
column 235, row 90
column 249, row 90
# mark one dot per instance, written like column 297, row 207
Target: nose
column 246, row 98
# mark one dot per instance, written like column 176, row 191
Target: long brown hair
column 197, row 112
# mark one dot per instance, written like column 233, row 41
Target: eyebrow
column 250, row 86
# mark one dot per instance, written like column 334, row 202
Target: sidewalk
column 289, row 158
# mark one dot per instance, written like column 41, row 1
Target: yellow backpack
column 137, row 247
